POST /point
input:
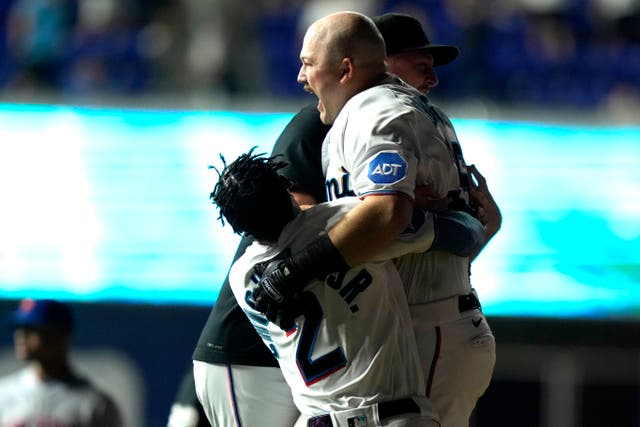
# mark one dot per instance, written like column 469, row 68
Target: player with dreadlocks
column 236, row 194
column 344, row 342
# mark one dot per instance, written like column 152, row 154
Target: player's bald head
column 342, row 54
column 350, row 35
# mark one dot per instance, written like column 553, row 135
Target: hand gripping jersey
column 353, row 345
column 27, row 401
column 390, row 139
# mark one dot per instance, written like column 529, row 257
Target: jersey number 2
column 314, row 370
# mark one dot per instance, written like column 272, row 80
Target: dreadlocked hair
column 252, row 196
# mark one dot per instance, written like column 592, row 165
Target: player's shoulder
column 83, row 385
column 324, row 215
column 10, row 382
column 326, row 209
column 385, row 101
column 13, row 391
column 383, row 94
column 20, row 378
column 442, row 115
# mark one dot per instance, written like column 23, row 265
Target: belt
column 445, row 310
column 386, row 410
column 468, row 302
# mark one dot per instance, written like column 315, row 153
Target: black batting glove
column 277, row 308
column 284, row 278
column 287, row 275
column 276, row 287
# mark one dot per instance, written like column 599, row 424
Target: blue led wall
column 112, row 205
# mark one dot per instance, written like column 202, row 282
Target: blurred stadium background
column 111, row 110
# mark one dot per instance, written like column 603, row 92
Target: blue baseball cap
column 43, row 313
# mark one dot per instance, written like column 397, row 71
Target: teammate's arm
column 363, row 232
column 373, row 231
column 371, row 226
column 452, row 231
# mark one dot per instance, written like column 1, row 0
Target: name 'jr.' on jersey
column 371, row 147
column 353, row 345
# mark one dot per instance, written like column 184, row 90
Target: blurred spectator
column 557, row 53
column 162, row 43
column 312, row 10
column 48, row 392
column 104, row 55
column 224, row 52
column 38, row 35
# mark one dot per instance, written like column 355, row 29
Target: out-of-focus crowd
column 567, row 53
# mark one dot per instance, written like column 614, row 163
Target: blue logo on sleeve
column 387, row 168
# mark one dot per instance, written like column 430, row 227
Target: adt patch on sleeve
column 387, row 168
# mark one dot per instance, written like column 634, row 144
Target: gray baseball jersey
column 27, row 401
column 354, row 344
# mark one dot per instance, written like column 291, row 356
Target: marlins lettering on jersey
column 337, row 189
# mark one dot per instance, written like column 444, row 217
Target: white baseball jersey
column 374, row 145
column 354, row 344
column 27, row 401
column 389, row 139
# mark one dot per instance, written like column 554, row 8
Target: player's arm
column 371, row 226
column 452, row 231
column 362, row 233
column 372, row 230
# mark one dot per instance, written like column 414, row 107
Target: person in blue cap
column 47, row 392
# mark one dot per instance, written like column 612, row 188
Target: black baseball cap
column 404, row 33
column 43, row 313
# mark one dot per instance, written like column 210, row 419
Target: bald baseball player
column 48, row 392
column 373, row 149
column 345, row 343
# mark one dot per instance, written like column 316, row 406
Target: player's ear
column 346, row 70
